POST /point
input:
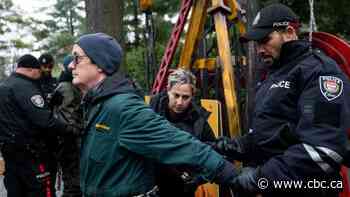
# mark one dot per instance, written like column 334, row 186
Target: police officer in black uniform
column 25, row 121
column 301, row 115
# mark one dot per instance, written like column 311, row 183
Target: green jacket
column 123, row 139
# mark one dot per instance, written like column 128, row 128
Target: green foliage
column 136, row 48
column 134, row 59
column 19, row 44
column 61, row 30
column 59, row 45
column 66, row 16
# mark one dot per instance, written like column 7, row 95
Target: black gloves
column 246, row 181
column 55, row 99
column 231, row 148
column 73, row 129
column 225, row 174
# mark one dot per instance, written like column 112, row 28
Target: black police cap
column 28, row 61
column 269, row 19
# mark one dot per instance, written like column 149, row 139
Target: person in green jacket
column 123, row 138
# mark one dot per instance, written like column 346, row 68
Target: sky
column 28, row 8
column 32, row 7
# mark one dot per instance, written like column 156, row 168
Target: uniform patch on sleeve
column 37, row 100
column 331, row 87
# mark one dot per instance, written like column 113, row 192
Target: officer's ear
column 99, row 70
column 289, row 34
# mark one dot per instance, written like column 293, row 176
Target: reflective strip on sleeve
column 317, row 158
column 331, row 153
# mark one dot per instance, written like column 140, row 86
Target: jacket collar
column 192, row 114
column 291, row 53
column 112, row 85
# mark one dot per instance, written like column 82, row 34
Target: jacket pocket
column 102, row 146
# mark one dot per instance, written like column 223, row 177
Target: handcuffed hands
column 246, row 181
column 231, row 148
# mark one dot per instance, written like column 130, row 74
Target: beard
column 268, row 61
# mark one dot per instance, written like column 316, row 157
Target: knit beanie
column 103, row 50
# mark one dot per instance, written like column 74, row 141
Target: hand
column 231, row 148
column 55, row 99
column 245, row 182
column 2, row 166
column 74, row 129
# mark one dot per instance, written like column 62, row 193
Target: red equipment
column 339, row 50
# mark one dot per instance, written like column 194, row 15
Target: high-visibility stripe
column 331, row 153
column 317, row 158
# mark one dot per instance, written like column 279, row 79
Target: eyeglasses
column 78, row 58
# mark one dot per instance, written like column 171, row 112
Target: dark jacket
column 25, row 117
column 194, row 121
column 69, row 150
column 48, row 85
column 301, row 116
column 123, row 138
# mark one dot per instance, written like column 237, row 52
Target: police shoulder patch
column 37, row 100
column 331, row 87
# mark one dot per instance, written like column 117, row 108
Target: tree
column 57, row 34
column 66, row 16
column 106, row 16
column 12, row 28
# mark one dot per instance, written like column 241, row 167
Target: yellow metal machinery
column 222, row 11
column 214, row 107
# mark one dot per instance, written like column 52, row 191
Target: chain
column 312, row 25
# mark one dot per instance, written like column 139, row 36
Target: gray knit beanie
column 103, row 50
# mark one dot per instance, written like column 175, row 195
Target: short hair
column 180, row 77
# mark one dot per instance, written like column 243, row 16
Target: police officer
column 301, row 114
column 178, row 106
column 25, row 122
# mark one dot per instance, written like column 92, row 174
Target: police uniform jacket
column 301, row 116
column 25, row 118
column 124, row 137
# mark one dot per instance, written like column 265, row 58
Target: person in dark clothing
column 48, row 85
column 25, row 123
column 298, row 132
column 69, row 111
column 123, row 137
column 179, row 108
column 48, row 82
